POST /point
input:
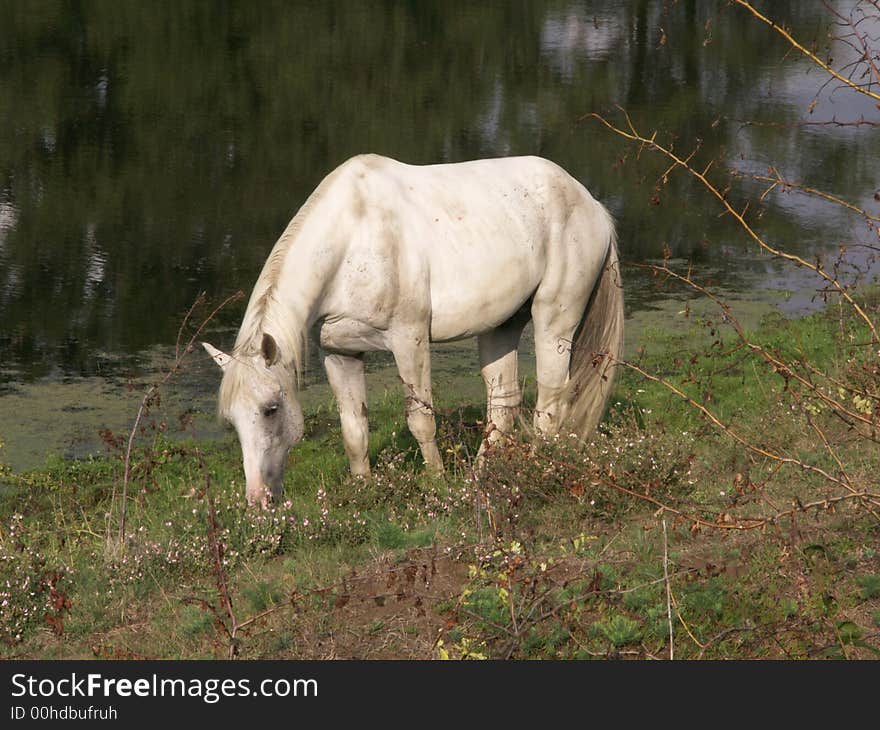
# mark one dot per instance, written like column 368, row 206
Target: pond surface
column 153, row 151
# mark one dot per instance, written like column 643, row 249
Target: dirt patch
column 392, row 609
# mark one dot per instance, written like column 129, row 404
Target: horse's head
column 257, row 397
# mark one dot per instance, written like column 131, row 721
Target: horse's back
column 477, row 237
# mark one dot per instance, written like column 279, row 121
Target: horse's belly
column 477, row 298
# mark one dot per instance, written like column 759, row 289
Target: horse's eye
column 270, row 410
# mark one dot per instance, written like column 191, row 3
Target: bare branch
column 808, row 53
column 720, row 196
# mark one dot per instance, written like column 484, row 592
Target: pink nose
column 258, row 494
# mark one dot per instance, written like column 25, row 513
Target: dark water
column 151, row 151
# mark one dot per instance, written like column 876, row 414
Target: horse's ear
column 221, row 358
column 269, row 349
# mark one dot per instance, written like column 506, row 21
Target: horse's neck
column 287, row 297
column 306, row 264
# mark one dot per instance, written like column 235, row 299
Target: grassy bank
column 667, row 534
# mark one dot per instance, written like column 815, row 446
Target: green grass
column 552, row 561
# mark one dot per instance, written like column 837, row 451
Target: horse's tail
column 597, row 346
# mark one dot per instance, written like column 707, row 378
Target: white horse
column 389, row 256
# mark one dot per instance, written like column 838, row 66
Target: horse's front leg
column 413, row 357
column 346, row 376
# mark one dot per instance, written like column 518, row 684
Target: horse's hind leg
column 498, row 366
column 346, row 376
column 554, row 333
column 413, row 358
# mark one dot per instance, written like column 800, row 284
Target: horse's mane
column 265, row 313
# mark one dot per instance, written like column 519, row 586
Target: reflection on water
column 149, row 152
